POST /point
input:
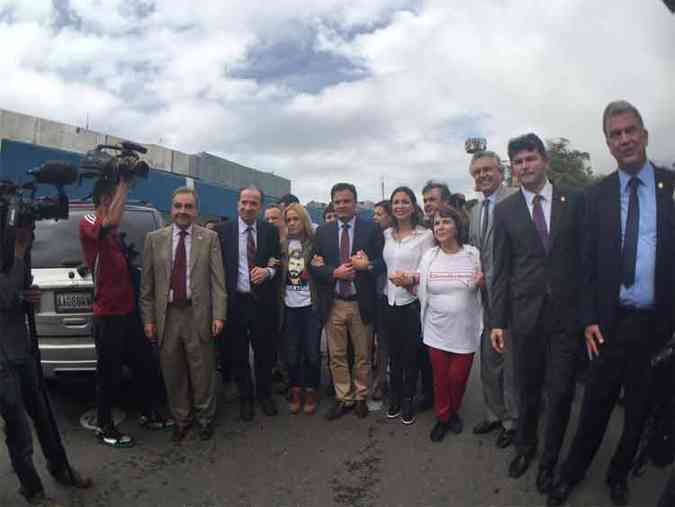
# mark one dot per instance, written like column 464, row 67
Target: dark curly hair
column 456, row 216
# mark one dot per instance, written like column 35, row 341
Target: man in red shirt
column 118, row 331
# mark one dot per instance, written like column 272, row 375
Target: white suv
column 64, row 318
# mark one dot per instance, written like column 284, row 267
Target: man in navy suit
column 351, row 249
column 537, row 235
column 248, row 245
column 627, row 298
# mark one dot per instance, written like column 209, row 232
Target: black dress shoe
column 486, row 426
column 559, row 493
column 544, row 480
column 438, row 431
column 72, row 478
column 505, row 438
column 246, row 410
column 519, row 465
column 618, row 492
column 361, row 409
column 455, row 424
column 179, row 433
column 337, row 410
column 268, row 406
column 206, row 432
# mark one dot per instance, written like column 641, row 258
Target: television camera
column 124, row 163
column 19, row 207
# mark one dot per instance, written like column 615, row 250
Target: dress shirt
column 404, row 255
column 175, row 236
column 350, row 231
column 641, row 293
column 244, row 277
column 547, row 197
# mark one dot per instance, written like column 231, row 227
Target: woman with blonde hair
column 298, row 305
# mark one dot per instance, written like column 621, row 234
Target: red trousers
column 451, row 374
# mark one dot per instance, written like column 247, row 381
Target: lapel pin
column 660, row 185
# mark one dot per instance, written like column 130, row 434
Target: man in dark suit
column 248, row 245
column 351, row 250
column 627, row 297
column 535, row 288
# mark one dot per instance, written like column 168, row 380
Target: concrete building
column 21, row 127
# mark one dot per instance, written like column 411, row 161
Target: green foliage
column 568, row 166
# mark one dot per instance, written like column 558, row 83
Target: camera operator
column 21, row 390
column 118, row 332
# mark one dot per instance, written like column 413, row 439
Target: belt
column 623, row 309
column 346, row 298
column 187, row 302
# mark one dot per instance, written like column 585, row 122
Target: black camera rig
column 123, row 164
column 19, row 207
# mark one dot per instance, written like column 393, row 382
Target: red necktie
column 250, row 248
column 179, row 273
column 344, row 286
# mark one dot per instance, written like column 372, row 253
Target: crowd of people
column 534, row 279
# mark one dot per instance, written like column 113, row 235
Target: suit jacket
column 267, row 246
column 485, row 245
column 525, row 274
column 207, row 281
column 367, row 237
column 602, row 261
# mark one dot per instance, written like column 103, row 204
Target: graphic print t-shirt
column 297, row 279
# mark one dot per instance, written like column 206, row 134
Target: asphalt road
column 306, row 461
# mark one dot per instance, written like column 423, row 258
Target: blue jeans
column 303, row 340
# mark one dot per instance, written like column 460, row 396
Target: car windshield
column 57, row 243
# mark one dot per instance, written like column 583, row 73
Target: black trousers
column 402, row 329
column 546, row 360
column 120, row 341
column 249, row 324
column 624, row 361
column 425, row 370
column 20, row 395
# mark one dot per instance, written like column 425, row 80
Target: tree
column 568, row 166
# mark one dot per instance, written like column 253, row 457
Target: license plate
column 73, row 302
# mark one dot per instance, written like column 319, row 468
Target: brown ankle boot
column 311, row 401
column 296, row 401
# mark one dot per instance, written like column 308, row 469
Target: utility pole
column 382, row 186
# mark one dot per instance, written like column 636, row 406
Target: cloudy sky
column 325, row 90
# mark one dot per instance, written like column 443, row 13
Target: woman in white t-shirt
column 451, row 314
column 405, row 242
column 299, row 312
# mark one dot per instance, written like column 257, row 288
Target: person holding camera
column 21, row 388
column 118, row 331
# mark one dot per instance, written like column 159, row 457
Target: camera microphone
column 128, row 145
column 55, row 172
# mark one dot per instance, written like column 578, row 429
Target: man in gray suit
column 496, row 370
column 183, row 304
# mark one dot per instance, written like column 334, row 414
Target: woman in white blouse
column 451, row 314
column 405, row 242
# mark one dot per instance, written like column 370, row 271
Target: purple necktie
column 539, row 220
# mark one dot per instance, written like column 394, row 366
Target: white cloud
column 433, row 74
